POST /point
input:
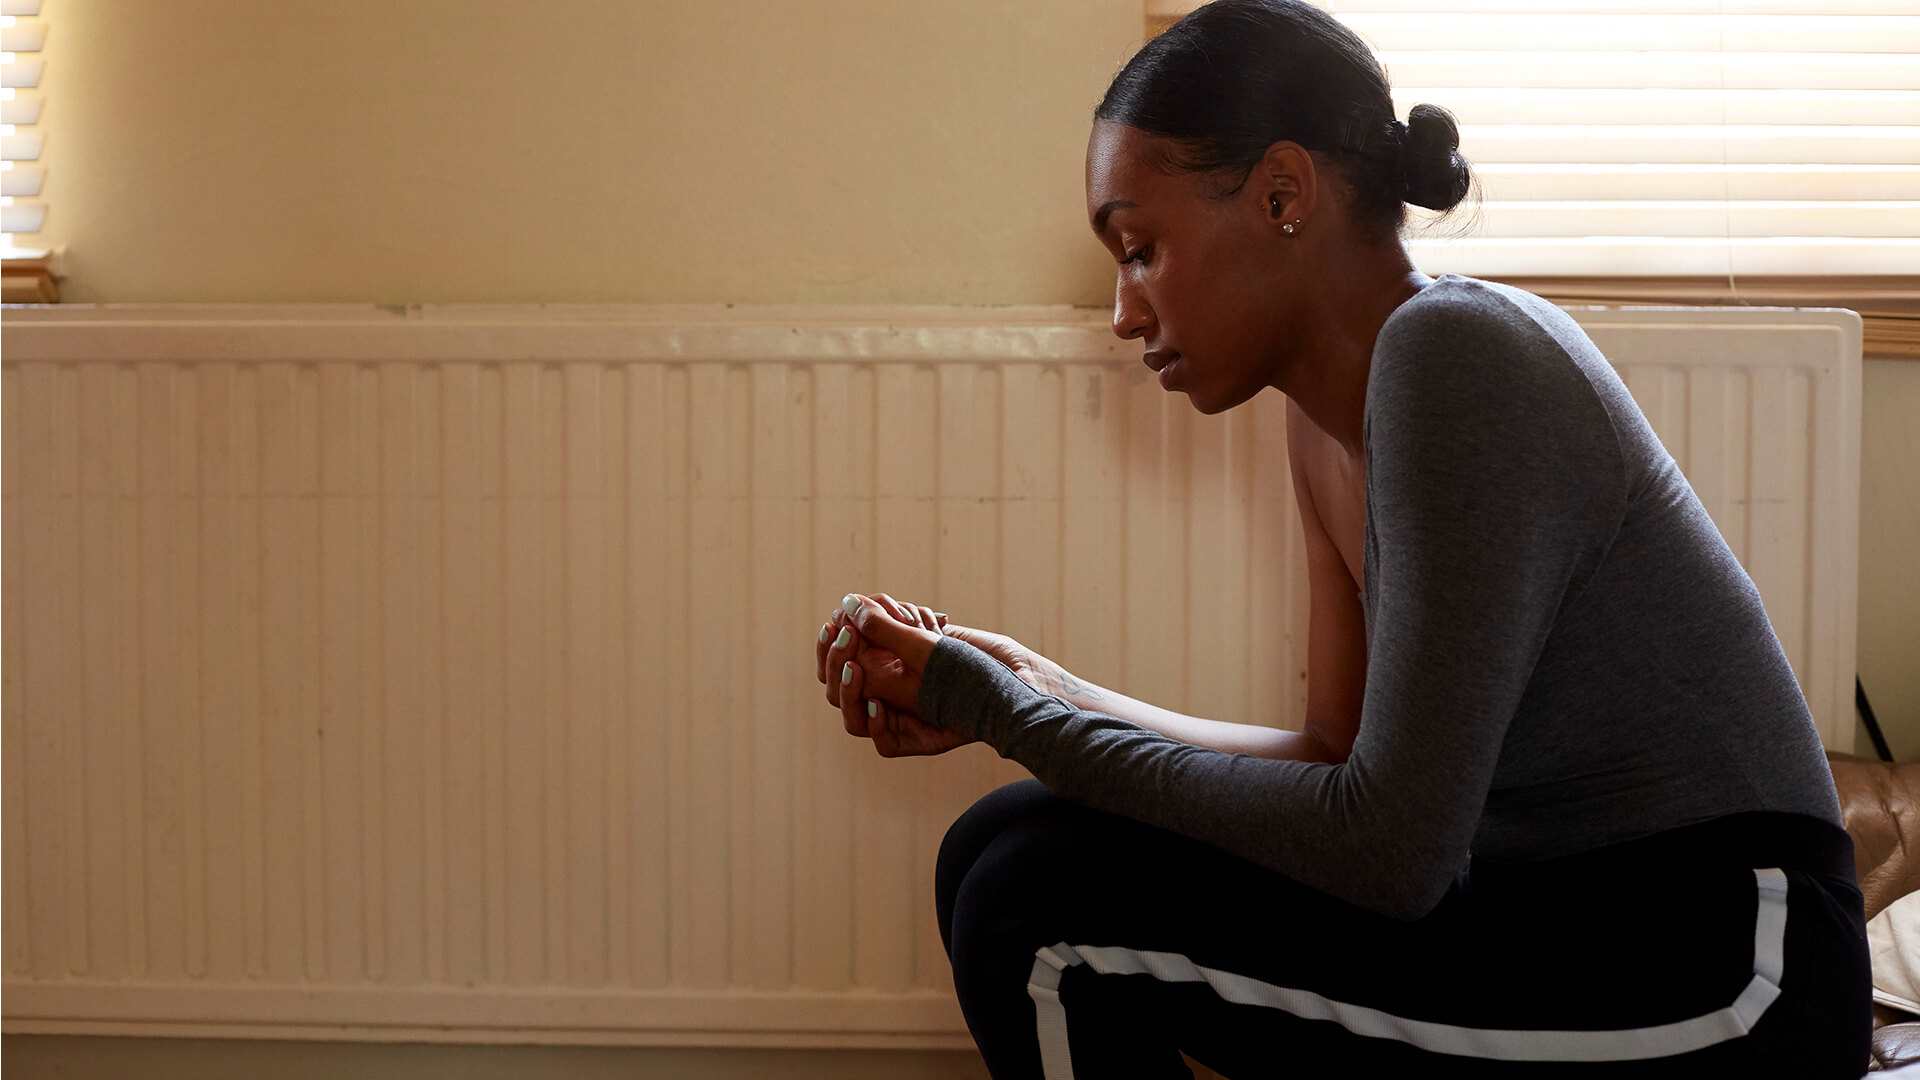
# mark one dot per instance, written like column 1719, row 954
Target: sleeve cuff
column 967, row 688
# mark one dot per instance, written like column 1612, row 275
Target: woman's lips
column 1166, row 374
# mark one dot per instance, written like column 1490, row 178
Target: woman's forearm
column 1251, row 739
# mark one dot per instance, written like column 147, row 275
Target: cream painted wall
column 414, row 151
column 420, row 151
column 600, row 150
column 1890, row 553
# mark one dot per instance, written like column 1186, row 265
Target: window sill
column 1889, row 306
column 28, row 281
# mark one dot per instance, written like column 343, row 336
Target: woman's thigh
column 1140, row 942
column 1161, row 933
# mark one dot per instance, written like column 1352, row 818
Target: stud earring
column 1287, row 228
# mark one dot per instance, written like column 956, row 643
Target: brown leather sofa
column 1880, row 804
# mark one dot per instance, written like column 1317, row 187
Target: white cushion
column 1893, row 943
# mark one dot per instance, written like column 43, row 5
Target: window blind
column 21, row 208
column 1661, row 137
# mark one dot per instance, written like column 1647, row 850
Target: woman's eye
column 1139, row 256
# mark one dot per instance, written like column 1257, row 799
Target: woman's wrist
column 1050, row 678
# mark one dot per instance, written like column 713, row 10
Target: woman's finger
column 905, row 611
column 844, row 647
column 901, row 611
column 831, row 630
column 827, row 630
column 913, row 614
column 835, row 620
column 853, row 711
column 881, row 727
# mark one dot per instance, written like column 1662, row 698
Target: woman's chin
column 1208, row 404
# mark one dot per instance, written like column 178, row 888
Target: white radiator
column 447, row 674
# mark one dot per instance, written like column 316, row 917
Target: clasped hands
column 875, row 649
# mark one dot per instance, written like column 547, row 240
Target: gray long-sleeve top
column 1562, row 650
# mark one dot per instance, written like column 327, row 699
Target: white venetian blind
column 1662, row 137
column 21, row 209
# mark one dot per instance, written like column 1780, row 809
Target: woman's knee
column 969, row 835
column 1019, row 894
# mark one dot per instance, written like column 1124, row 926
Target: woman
column 1559, row 805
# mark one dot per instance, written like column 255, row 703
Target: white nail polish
column 873, row 708
column 850, row 604
column 846, row 673
column 846, row 635
column 823, row 633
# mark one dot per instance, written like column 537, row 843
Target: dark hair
column 1233, row 77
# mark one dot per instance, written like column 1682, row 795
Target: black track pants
column 1086, row 944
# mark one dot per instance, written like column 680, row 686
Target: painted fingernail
column 846, row 673
column 850, row 604
column 846, row 635
column 823, row 632
column 873, row 707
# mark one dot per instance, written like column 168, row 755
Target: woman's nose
column 1130, row 320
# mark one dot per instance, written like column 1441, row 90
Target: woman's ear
column 1291, row 179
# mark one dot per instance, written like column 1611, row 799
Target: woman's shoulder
column 1456, row 310
column 1503, row 345
column 1469, row 354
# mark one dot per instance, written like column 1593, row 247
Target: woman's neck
column 1331, row 386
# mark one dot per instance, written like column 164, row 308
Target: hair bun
column 1436, row 174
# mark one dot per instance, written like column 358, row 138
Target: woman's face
column 1204, row 280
